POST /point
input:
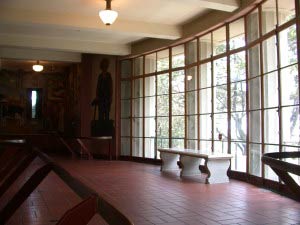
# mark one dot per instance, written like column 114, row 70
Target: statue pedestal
column 102, row 128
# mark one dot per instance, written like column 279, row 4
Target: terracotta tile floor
column 149, row 197
column 47, row 203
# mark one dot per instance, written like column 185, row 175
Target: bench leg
column 190, row 166
column 217, row 171
column 169, row 161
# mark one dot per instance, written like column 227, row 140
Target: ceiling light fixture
column 108, row 16
column 37, row 67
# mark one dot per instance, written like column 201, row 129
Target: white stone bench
column 216, row 164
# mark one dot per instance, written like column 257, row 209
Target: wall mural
column 15, row 100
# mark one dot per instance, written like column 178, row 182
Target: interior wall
column 16, row 101
column 193, row 28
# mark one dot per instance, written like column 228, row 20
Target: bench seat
column 216, row 164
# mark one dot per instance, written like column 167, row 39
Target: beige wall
column 193, row 28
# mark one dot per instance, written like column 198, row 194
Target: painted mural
column 54, row 96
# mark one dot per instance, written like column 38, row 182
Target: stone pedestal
column 102, row 128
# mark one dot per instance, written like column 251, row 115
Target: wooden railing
column 283, row 168
column 78, row 215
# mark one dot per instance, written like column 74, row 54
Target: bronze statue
column 104, row 91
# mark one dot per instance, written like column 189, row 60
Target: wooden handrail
column 283, row 168
column 103, row 207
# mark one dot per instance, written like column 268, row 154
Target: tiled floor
column 46, row 204
column 149, row 197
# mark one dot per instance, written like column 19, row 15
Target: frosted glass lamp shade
column 108, row 16
column 37, row 68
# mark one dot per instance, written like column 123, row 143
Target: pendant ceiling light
column 37, row 67
column 108, row 16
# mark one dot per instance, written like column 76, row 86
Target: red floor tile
column 149, row 197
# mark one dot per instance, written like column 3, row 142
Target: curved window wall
column 234, row 89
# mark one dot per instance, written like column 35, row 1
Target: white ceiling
column 74, row 25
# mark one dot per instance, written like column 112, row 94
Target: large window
column 233, row 89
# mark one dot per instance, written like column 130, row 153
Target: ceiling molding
column 140, row 29
column 38, row 54
column 63, row 45
column 221, row 5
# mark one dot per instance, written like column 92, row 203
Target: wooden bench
column 216, row 164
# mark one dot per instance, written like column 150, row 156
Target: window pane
column 192, row 127
column 254, row 126
column 238, row 126
column 137, row 109
column 238, row 67
column 205, row 145
column 271, row 125
column 220, row 146
column 177, row 143
column 191, row 102
column 205, row 127
column 178, row 56
column 288, row 46
column 205, row 75
column 290, row 86
column 290, row 126
column 191, row 79
column 178, row 81
column 162, row 143
column 192, row 144
column 125, row 89
column 220, row 71
column 271, row 90
column 126, row 68
column 239, row 160
column 162, row 127
column 125, row 106
column 178, row 104
column 269, row 173
column 150, row 63
column 150, row 148
column 205, row 46
column 138, row 88
column 237, row 34
column 125, row 127
column 191, row 51
column 163, row 105
column 178, row 126
column 137, row 126
column 150, row 127
column 150, row 106
column 238, row 96
column 220, row 98
column 255, row 159
column 137, row 147
column 163, row 84
column 125, row 146
column 205, row 100
column 286, row 10
column 138, row 66
column 254, row 61
column 268, row 16
column 219, row 40
column 270, row 54
column 163, row 60
column 220, row 125
column 254, row 93
column 252, row 26
column 150, row 86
